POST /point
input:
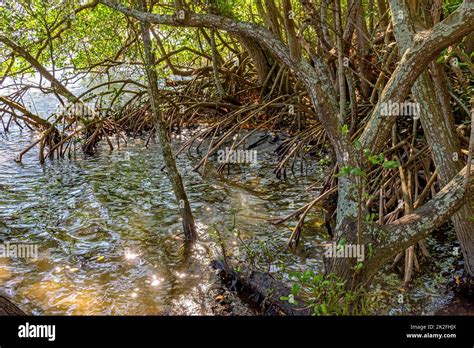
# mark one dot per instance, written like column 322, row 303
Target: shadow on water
column 110, row 240
column 108, row 233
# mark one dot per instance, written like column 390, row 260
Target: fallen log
column 259, row 289
column 7, row 308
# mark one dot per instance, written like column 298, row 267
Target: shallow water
column 108, row 233
column 110, row 243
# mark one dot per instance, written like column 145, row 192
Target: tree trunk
column 260, row 58
column 363, row 52
column 387, row 240
column 7, row 308
column 164, row 138
column 215, row 67
column 437, row 122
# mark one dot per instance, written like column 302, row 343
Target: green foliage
column 345, row 129
column 370, row 218
column 375, row 159
column 380, row 159
column 226, row 7
column 357, row 144
column 325, row 295
column 94, row 37
column 371, row 251
column 391, row 164
column 358, row 266
column 79, row 40
column 356, row 171
column 450, row 5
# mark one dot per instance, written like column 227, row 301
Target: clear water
column 109, row 236
column 108, row 233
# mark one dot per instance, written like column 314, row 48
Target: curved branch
column 35, row 119
column 427, row 44
column 411, row 228
column 316, row 82
column 58, row 86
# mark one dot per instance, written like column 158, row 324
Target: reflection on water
column 111, row 243
column 110, row 240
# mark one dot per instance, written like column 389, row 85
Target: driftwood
column 7, row 308
column 259, row 289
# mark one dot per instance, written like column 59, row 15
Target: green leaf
column 345, row 129
column 391, row 164
column 291, row 299
column 357, row 171
column 324, row 308
column 317, row 278
column 374, row 159
column 357, row 144
column 296, row 289
column 345, row 170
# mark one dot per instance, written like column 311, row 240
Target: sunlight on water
column 63, row 297
column 110, row 241
column 5, row 274
column 108, row 232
